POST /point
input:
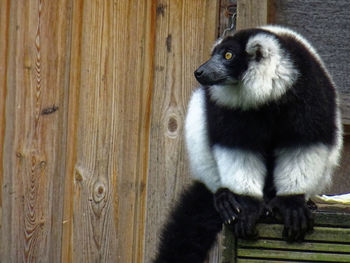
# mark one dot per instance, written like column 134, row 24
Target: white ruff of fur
column 264, row 81
column 202, row 163
column 279, row 30
column 242, row 172
column 306, row 170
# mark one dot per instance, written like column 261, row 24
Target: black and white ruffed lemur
column 262, row 131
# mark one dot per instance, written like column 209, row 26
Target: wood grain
column 112, row 132
column 72, row 105
column 185, row 32
column 4, row 37
column 252, row 13
column 34, row 144
column 91, row 116
column 328, row 242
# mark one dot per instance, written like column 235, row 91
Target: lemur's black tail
column 191, row 229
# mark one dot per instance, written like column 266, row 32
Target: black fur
column 227, row 205
column 239, row 211
column 295, row 214
column 304, row 116
column 245, row 226
column 191, row 228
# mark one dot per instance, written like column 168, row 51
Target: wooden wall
column 92, row 100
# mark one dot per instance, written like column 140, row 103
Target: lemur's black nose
column 198, row 73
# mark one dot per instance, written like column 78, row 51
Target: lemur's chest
column 252, row 130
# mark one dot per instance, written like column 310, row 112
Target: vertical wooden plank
column 185, row 33
column 135, row 98
column 72, row 119
column 110, row 170
column 229, row 253
column 252, row 13
column 93, row 191
column 35, row 131
column 4, row 27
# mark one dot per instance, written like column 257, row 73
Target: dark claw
column 238, row 211
column 311, row 205
column 227, row 205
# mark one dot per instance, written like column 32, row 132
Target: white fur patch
column 242, row 172
column 229, row 96
column 306, row 170
column 279, row 30
column 264, row 81
column 269, row 78
column 202, row 162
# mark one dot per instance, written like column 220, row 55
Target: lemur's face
column 226, row 65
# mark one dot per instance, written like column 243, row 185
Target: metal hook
column 232, row 26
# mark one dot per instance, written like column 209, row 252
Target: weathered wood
column 117, row 41
column 229, row 247
column 330, row 241
column 185, row 32
column 4, row 37
column 292, row 255
column 34, row 144
column 246, row 260
column 252, row 13
column 72, row 119
column 329, row 234
column 335, row 219
column 304, row 246
column 226, row 9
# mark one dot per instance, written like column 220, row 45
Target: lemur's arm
column 243, row 173
column 303, row 170
column 300, row 173
column 202, row 162
column 240, row 171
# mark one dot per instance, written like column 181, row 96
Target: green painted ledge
column 330, row 242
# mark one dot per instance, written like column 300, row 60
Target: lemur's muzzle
column 210, row 73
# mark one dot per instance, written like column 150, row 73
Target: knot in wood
column 42, row 164
column 172, row 124
column 99, row 192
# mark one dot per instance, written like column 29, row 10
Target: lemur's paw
column 238, row 211
column 311, row 205
column 227, row 206
column 251, row 210
column 296, row 215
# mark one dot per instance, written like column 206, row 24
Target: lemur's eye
column 228, row 55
